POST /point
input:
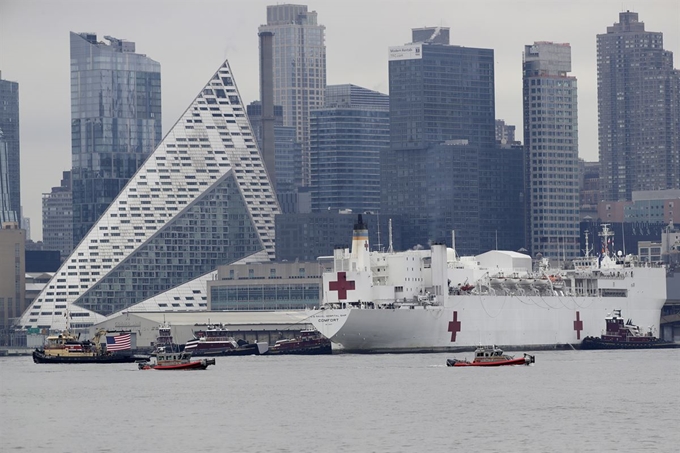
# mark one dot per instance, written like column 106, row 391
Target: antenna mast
column 389, row 226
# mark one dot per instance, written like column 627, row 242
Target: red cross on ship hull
column 578, row 325
column 454, row 326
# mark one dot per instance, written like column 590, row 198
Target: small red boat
column 492, row 356
column 175, row 361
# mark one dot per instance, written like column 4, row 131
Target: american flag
column 118, row 343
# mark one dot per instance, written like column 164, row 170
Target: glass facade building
column 299, row 52
column 443, row 171
column 551, row 143
column 10, row 157
column 638, row 98
column 115, row 121
column 347, row 136
column 287, row 151
column 201, row 200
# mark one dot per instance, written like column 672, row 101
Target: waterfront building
column 437, row 122
column 57, row 217
column 347, row 136
column 201, row 200
column 266, row 287
column 638, row 97
column 299, row 69
column 551, row 143
column 115, row 121
column 10, row 157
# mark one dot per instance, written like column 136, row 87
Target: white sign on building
column 406, row 52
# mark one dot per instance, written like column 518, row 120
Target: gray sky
column 191, row 38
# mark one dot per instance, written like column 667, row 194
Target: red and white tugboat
column 175, row 361
column 309, row 342
column 492, row 356
column 622, row 334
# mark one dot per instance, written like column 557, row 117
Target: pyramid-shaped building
column 201, row 200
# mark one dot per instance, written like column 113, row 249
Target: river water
column 569, row 401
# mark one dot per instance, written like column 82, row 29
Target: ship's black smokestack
column 360, row 225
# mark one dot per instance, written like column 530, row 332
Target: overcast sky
column 190, row 39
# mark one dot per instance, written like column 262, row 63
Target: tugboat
column 175, row 361
column 309, row 342
column 492, row 356
column 164, row 339
column 216, row 340
column 625, row 335
column 67, row 348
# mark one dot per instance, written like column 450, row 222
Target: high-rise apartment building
column 115, row 121
column 638, row 95
column 347, row 136
column 551, row 144
column 443, row 171
column 57, row 218
column 202, row 199
column 10, row 157
column 299, row 53
column 505, row 133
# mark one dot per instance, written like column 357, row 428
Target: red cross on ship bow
column 342, row 285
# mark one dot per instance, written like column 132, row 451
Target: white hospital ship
column 434, row 300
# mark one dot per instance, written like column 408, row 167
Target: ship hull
column 40, row 357
column 318, row 349
column 595, row 343
column 465, row 321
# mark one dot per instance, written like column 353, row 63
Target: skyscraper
column 115, row 121
column 347, row 136
column 440, row 92
column 202, row 199
column 638, row 95
column 442, row 171
column 10, row 168
column 57, row 218
column 299, row 53
column 551, row 144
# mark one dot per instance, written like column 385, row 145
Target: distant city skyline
column 188, row 43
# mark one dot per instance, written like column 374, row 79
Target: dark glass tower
column 347, row 136
column 10, row 169
column 115, row 121
column 443, row 171
column 441, row 92
column 638, row 96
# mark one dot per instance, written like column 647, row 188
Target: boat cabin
column 488, row 352
column 172, row 358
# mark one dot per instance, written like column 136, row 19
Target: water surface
column 569, row 401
